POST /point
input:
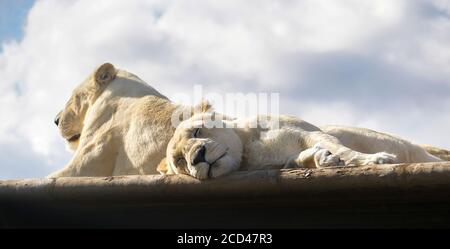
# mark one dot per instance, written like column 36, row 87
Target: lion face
column 70, row 120
column 203, row 152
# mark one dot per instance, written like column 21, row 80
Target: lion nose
column 57, row 118
column 200, row 156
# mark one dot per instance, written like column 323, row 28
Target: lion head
column 202, row 151
column 70, row 120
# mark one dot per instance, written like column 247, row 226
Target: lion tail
column 437, row 152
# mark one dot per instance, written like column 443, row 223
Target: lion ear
column 203, row 107
column 163, row 168
column 105, row 74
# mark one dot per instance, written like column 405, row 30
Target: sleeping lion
column 204, row 151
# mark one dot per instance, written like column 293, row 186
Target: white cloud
column 422, row 126
column 229, row 46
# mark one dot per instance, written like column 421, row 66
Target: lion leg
column 93, row 159
column 284, row 147
column 315, row 157
column 351, row 157
column 303, row 160
column 66, row 171
column 273, row 150
column 324, row 158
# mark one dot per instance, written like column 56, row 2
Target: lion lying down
column 213, row 152
column 117, row 124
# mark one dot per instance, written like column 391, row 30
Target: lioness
column 213, row 152
column 116, row 124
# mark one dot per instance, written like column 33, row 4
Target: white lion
column 119, row 125
column 116, row 124
column 214, row 151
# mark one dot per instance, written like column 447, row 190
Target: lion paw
column 371, row 159
column 324, row 158
column 384, row 158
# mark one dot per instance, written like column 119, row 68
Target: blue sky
column 380, row 64
column 13, row 15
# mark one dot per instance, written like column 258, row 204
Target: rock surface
column 398, row 195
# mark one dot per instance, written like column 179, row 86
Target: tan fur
column 437, row 152
column 123, row 124
column 369, row 141
column 119, row 125
column 294, row 143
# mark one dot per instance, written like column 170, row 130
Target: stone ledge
column 244, row 183
column 402, row 195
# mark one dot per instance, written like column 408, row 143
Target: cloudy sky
column 381, row 64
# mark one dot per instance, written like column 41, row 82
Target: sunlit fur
column 123, row 125
column 223, row 149
column 294, row 143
